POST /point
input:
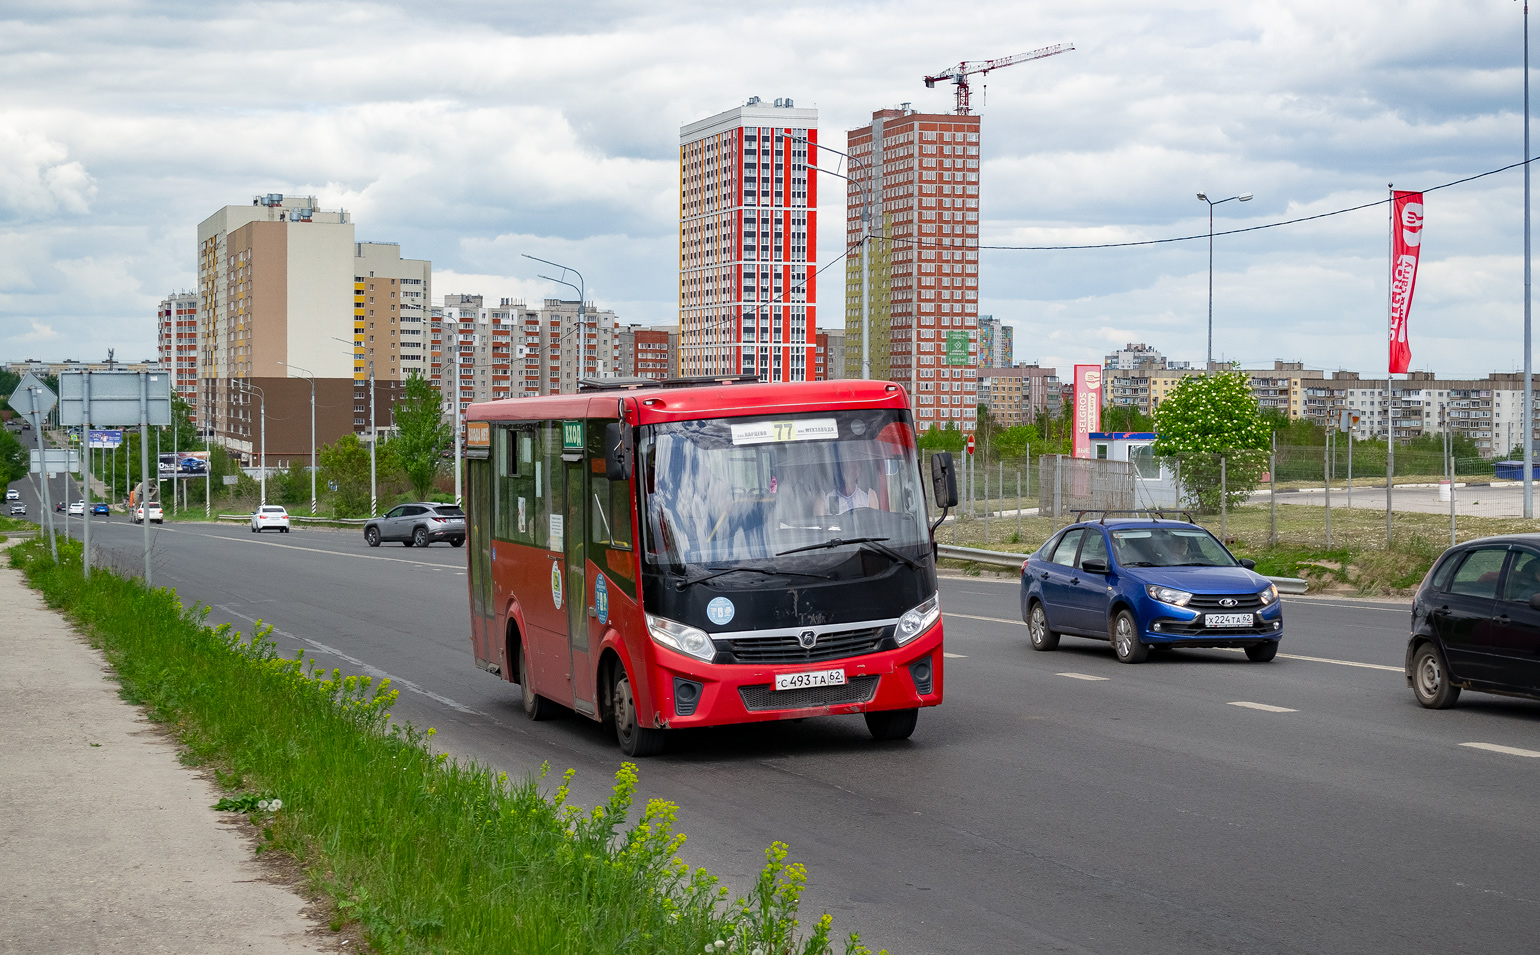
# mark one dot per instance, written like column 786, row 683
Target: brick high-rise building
column 922, row 170
column 748, row 222
column 177, row 343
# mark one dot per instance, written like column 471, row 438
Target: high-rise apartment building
column 391, row 301
column 177, row 343
column 283, row 289
column 920, row 172
column 748, row 222
column 515, row 351
column 997, row 346
column 647, row 353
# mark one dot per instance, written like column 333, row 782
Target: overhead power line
column 1204, row 235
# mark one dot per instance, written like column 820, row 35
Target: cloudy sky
column 472, row 132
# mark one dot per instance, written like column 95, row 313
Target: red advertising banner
column 1088, row 407
column 1405, row 245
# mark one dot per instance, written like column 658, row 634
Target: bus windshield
column 725, row 492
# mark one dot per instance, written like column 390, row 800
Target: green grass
column 425, row 853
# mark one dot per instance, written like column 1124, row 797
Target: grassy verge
column 1357, row 562
column 424, row 853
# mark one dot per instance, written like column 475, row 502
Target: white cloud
column 35, row 178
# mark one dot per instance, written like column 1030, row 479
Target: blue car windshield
column 1169, row 547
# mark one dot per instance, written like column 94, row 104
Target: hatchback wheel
column 456, row 542
column 1262, row 652
column 1037, row 629
column 420, row 537
column 1430, row 679
column 372, row 536
column 1125, row 639
column 634, row 739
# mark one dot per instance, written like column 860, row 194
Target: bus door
column 579, row 604
column 478, row 517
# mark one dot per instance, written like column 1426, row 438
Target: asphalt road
column 1056, row 802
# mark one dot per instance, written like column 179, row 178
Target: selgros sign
column 1088, row 407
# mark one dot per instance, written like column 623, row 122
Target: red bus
column 696, row 553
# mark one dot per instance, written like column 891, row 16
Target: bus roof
column 665, row 403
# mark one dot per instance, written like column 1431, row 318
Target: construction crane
column 959, row 74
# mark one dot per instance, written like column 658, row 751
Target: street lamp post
column 1529, row 381
column 582, row 297
column 374, row 435
column 311, row 375
column 262, row 404
column 1243, row 197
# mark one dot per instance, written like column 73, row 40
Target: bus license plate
column 1227, row 620
column 801, row 681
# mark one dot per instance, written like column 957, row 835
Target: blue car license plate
column 1227, row 620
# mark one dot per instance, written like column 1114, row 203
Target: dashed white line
column 1081, row 676
column 1264, row 707
column 955, row 656
column 1505, row 750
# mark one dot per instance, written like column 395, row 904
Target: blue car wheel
column 1125, row 639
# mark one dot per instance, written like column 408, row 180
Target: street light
column 374, row 435
column 308, row 374
column 1243, row 197
column 262, row 404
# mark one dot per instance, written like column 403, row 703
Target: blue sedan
column 1142, row 583
column 100, row 508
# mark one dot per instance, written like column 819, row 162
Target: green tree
column 347, row 463
column 421, row 433
column 1207, row 418
column 14, row 459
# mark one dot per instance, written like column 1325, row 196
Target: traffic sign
column 970, row 444
column 31, row 387
column 115, row 397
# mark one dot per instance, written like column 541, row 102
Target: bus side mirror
column 617, row 452
column 943, row 479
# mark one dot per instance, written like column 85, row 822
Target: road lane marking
column 955, row 656
column 1506, row 750
column 969, row 616
column 1343, row 663
column 1081, row 676
column 1263, row 707
column 373, row 671
column 308, row 550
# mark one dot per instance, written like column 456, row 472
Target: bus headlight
column 678, row 636
column 918, row 620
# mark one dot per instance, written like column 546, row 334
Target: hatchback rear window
column 448, row 512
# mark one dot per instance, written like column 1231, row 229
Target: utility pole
column 374, row 440
column 42, row 473
column 1529, row 380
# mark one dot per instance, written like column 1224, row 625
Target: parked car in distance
column 270, row 517
column 418, row 525
column 18, row 507
column 77, row 509
column 194, row 465
column 157, row 516
column 1142, row 583
column 1476, row 622
column 101, row 508
column 59, row 505
column 11, row 494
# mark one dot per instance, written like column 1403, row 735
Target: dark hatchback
column 1476, row 622
column 1142, row 583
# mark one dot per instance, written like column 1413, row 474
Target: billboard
column 187, row 464
column 106, row 440
column 956, row 348
column 1088, row 407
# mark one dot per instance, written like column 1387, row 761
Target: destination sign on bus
column 800, row 429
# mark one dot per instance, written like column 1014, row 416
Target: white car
column 270, row 517
column 11, row 494
column 77, row 509
column 157, row 516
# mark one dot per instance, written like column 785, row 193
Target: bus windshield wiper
column 719, row 572
column 876, row 544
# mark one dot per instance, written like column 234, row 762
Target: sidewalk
column 110, row 844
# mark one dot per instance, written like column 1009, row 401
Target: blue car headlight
column 1268, row 596
column 1168, row 595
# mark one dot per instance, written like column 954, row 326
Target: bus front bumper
column 693, row 693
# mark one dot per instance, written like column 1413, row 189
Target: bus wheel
column 634, row 739
column 892, row 724
column 536, row 707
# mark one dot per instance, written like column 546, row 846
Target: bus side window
column 550, row 481
column 609, row 515
column 516, row 502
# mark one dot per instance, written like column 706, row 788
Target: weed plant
column 426, row 853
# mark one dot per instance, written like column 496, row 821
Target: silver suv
column 418, row 525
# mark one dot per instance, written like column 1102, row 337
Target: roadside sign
column 970, row 444
column 105, row 439
column 115, row 397
column 21, row 401
column 956, row 348
column 185, row 464
column 58, row 460
column 231, row 480
column 572, row 435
